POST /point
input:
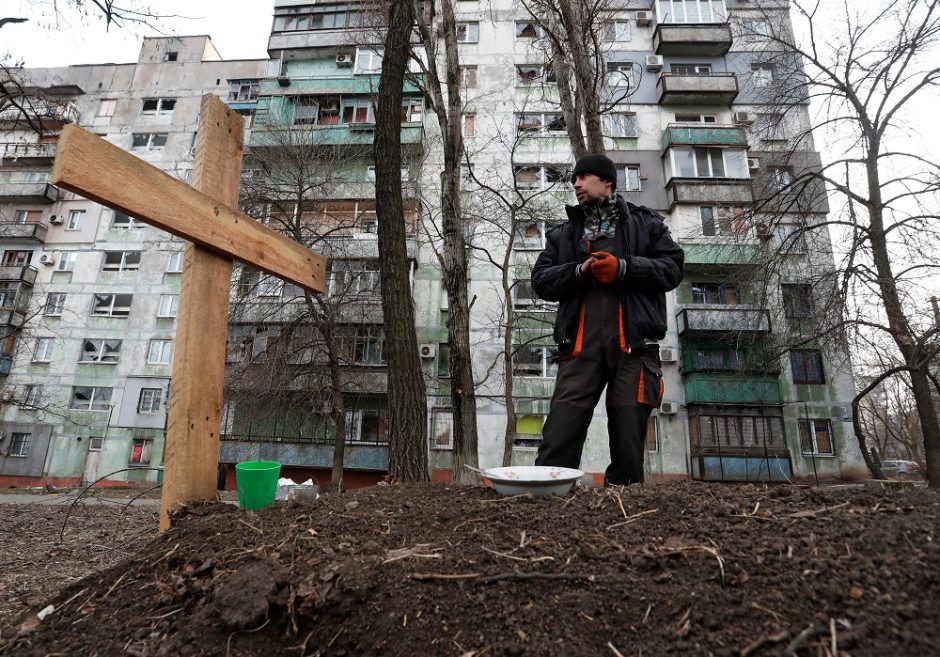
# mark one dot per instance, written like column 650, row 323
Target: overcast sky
column 239, row 29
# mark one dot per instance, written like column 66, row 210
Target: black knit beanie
column 600, row 165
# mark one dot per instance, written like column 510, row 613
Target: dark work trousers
column 578, row 388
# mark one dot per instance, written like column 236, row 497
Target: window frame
column 620, row 122
column 32, row 395
column 525, row 369
column 175, row 263
column 801, row 362
column 97, row 298
column 631, row 172
column 66, row 261
column 151, row 406
column 125, row 261
column 151, row 137
column 808, row 430
column 43, row 349
column 143, row 457
column 170, row 300
column 75, row 220
column 471, row 31
column 160, row 109
column 437, row 416
column 19, row 444
column 94, row 397
column 797, row 300
column 101, row 349
column 106, row 108
column 164, row 350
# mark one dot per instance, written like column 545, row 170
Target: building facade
column 694, row 132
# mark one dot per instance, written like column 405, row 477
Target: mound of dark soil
column 684, row 568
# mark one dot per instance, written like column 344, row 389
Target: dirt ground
column 672, row 569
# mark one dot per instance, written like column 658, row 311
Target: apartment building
column 695, row 136
column 90, row 294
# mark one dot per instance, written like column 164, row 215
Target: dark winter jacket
column 651, row 266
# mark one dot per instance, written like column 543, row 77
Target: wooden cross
column 203, row 214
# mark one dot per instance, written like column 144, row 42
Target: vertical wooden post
column 191, row 454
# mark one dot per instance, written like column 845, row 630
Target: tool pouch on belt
column 650, row 387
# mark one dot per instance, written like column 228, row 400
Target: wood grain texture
column 191, row 452
column 99, row 170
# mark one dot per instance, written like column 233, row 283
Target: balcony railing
column 21, row 151
column 43, row 110
column 707, row 320
column 697, row 89
column 732, row 389
column 684, row 134
column 27, row 192
column 27, row 232
column 709, row 191
column 681, row 39
column 25, row 274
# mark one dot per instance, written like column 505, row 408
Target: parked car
column 900, row 469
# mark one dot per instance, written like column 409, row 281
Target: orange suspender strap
column 624, row 347
column 580, row 339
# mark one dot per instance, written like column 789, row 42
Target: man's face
column 588, row 187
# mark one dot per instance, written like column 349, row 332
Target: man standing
column 609, row 268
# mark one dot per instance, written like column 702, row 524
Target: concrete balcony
column 710, row 320
column 704, row 135
column 732, row 254
column 708, row 191
column 12, row 317
column 26, row 274
column 25, row 232
column 713, row 89
column 27, row 192
column 732, row 389
column 354, row 134
column 23, row 151
column 50, row 114
column 683, row 40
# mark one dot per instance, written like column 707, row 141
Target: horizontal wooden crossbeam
column 88, row 165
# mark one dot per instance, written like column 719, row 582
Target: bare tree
column 408, row 458
column 573, row 35
column 443, row 94
column 867, row 78
column 299, row 344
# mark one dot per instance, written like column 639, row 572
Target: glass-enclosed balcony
column 711, row 320
column 28, row 192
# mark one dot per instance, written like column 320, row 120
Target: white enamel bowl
column 532, row 479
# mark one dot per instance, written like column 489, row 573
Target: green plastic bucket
column 257, row 483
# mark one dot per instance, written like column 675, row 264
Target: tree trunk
column 566, row 96
column 508, row 391
column 897, row 320
column 339, row 407
column 454, row 258
column 407, row 401
column 573, row 17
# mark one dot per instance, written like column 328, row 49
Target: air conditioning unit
column 753, row 163
column 763, row 231
column 669, row 408
column 344, row 59
column 47, row 259
column 644, row 18
column 745, row 118
column 427, row 350
column 55, row 219
column 668, row 354
column 654, row 62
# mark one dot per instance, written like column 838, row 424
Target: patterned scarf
column 600, row 218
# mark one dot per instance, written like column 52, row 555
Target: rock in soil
column 682, row 568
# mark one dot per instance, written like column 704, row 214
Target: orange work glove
column 604, row 267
